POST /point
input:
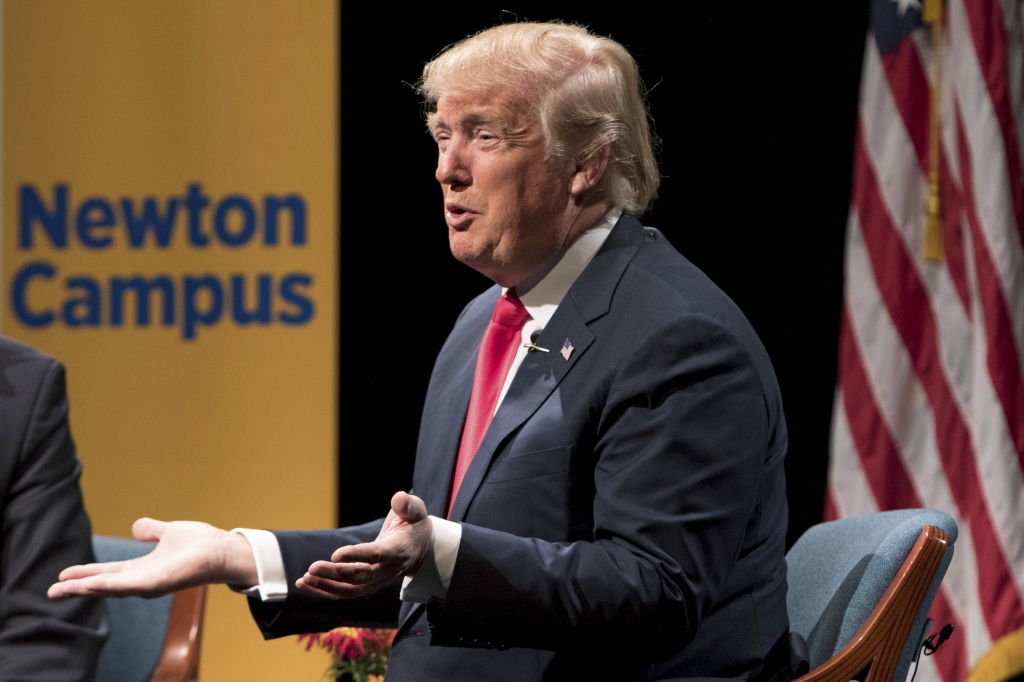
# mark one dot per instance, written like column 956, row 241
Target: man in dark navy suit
column 599, row 488
column 45, row 527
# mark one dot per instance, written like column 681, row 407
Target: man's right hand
column 188, row 553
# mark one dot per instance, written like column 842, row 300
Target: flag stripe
column 908, row 84
column 848, row 488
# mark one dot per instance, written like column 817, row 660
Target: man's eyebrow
column 434, row 121
column 472, row 120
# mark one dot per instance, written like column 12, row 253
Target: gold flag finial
column 933, row 247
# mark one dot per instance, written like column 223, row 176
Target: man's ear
column 588, row 173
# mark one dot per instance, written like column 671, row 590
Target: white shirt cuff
column 273, row 585
column 435, row 573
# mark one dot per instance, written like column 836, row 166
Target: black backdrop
column 756, row 109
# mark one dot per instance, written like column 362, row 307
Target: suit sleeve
column 45, row 529
column 300, row 612
column 679, row 464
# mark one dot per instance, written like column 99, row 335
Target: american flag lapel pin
column 567, row 349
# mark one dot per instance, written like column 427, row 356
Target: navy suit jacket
column 625, row 515
column 45, row 528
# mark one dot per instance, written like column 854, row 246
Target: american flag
column 929, row 408
column 567, row 349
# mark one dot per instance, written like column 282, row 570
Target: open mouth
column 457, row 215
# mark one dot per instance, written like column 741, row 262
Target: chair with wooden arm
column 860, row 590
column 151, row 640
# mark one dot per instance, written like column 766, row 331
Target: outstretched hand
column 358, row 570
column 188, row 553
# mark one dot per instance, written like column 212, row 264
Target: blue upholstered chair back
column 839, row 570
column 137, row 626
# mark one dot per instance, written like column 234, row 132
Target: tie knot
column 509, row 311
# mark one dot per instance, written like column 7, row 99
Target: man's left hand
column 358, row 570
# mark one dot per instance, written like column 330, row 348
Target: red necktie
column 502, row 339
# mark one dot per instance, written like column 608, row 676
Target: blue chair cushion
column 838, row 571
column 137, row 626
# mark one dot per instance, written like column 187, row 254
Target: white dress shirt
column 541, row 294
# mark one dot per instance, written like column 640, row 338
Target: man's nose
column 452, row 168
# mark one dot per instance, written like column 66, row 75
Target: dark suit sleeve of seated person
column 301, row 612
column 679, row 448
column 45, row 527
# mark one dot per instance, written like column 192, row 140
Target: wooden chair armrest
column 880, row 640
column 179, row 660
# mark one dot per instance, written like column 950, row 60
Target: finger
column 337, row 589
column 71, row 588
column 409, row 507
column 149, row 530
column 367, row 553
column 355, row 574
column 86, row 570
column 63, row 590
column 306, row 587
column 133, row 584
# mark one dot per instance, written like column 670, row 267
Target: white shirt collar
column 542, row 292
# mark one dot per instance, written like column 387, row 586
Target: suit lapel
column 447, row 403
column 540, row 373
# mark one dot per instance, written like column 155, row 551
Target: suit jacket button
column 503, row 647
column 460, row 640
column 489, row 645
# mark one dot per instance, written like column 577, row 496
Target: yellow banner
column 169, row 232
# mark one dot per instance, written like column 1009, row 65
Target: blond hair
column 584, row 90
